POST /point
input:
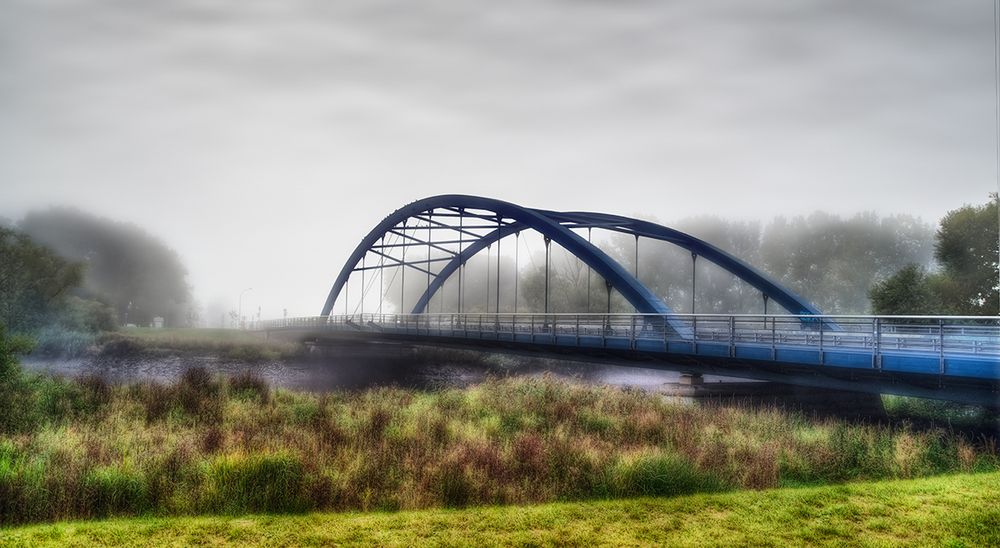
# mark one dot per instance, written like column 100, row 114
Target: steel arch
column 550, row 224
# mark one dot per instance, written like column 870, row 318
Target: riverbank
column 239, row 446
column 957, row 510
column 227, row 344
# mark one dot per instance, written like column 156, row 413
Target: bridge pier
column 691, row 379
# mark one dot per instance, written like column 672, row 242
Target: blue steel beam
column 552, row 224
column 786, row 298
column 747, row 273
column 462, row 258
column 638, row 295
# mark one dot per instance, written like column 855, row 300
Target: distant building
column 158, row 322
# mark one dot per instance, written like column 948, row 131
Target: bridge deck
column 941, row 349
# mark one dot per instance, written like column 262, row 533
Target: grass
column 210, row 446
column 232, row 344
column 956, row 510
column 938, row 411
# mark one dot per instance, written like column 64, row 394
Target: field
column 229, row 344
column 84, row 449
column 956, row 510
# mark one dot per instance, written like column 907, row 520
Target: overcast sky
column 261, row 140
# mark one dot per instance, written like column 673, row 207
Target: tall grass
column 210, row 445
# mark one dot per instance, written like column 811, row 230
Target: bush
column 248, row 385
column 88, row 315
column 17, row 400
column 23, row 496
column 249, row 352
column 660, row 475
column 86, row 448
column 57, row 400
column 199, row 394
column 156, row 399
column 116, row 345
column 54, row 340
column 110, row 490
column 255, row 483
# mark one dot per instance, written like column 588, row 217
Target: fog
column 261, row 140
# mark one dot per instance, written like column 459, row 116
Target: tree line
column 66, row 274
column 965, row 279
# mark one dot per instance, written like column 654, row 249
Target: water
column 353, row 369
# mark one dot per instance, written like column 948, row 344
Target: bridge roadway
column 944, row 357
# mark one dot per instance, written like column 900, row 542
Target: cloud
column 244, row 126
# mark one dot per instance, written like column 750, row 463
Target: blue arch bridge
column 944, row 357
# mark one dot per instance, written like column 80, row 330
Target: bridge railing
column 876, row 334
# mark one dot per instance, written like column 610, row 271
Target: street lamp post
column 240, row 313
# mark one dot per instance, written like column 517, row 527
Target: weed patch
column 207, row 444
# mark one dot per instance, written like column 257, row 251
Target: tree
column 35, row 283
column 909, row 291
column 828, row 260
column 832, row 261
column 966, row 248
column 134, row 271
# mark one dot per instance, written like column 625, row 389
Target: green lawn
column 957, row 510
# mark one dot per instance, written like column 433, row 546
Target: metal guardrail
column 753, row 335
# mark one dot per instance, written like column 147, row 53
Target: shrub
column 249, row 385
column 55, row 340
column 212, row 440
column 110, row 490
column 89, row 316
column 57, row 399
column 456, row 489
column 660, row 474
column 116, row 345
column 17, row 400
column 85, row 448
column 199, row 394
column 156, row 399
column 248, row 352
column 255, row 483
column 23, row 496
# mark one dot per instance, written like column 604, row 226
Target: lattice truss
column 434, row 238
column 434, row 245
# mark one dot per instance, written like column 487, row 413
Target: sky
column 261, row 139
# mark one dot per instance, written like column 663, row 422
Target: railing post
column 821, row 356
column 876, row 342
column 632, row 334
column 694, row 334
column 732, row 336
column 666, row 342
column 578, row 330
column 555, row 321
column 941, row 346
column 532, row 316
column 774, row 339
